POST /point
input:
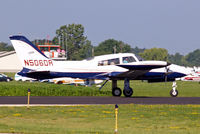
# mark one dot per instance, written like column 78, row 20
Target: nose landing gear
column 174, row 91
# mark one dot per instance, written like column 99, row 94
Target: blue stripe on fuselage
column 81, row 75
column 49, row 75
column 161, row 75
column 97, row 75
column 141, row 67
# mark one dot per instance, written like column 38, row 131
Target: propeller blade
column 166, row 73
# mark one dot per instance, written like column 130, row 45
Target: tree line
column 72, row 38
column 5, row 47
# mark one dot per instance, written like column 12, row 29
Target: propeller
column 195, row 69
column 167, row 72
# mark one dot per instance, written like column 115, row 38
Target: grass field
column 14, row 88
column 133, row 119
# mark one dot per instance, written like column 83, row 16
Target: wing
column 135, row 70
column 36, row 74
column 131, row 74
column 39, row 74
column 144, row 65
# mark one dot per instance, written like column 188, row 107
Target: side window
column 100, row 63
column 108, row 62
column 128, row 59
column 113, row 61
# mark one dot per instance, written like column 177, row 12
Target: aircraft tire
column 174, row 94
column 116, row 91
column 128, row 93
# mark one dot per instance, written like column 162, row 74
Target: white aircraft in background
column 67, row 80
column 62, row 80
column 194, row 76
column 122, row 66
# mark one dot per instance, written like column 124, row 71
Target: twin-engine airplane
column 122, row 66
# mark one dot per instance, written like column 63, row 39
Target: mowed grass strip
column 132, row 119
column 141, row 89
column 18, row 88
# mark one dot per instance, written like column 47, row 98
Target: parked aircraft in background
column 62, row 80
column 122, row 66
column 194, row 76
column 4, row 77
column 67, row 80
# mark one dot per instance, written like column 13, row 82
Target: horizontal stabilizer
column 35, row 74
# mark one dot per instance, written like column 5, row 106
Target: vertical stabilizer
column 30, row 56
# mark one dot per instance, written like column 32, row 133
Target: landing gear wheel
column 59, row 82
column 174, row 93
column 128, row 93
column 116, row 91
column 8, row 80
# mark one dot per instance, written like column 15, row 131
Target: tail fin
column 30, row 56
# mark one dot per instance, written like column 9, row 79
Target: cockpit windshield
column 139, row 58
column 128, row 59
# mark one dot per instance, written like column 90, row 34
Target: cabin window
column 128, row 59
column 108, row 62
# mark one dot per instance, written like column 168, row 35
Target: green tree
column 112, row 46
column 155, row 54
column 193, row 58
column 6, row 47
column 85, row 51
column 55, row 41
column 72, row 39
column 137, row 50
column 42, row 41
column 61, row 36
column 177, row 59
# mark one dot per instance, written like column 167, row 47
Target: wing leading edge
column 144, row 65
column 137, row 69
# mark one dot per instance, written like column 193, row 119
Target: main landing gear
column 174, row 91
column 117, row 91
column 128, row 91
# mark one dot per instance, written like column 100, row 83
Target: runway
column 82, row 100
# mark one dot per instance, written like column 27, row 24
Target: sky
column 170, row 24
